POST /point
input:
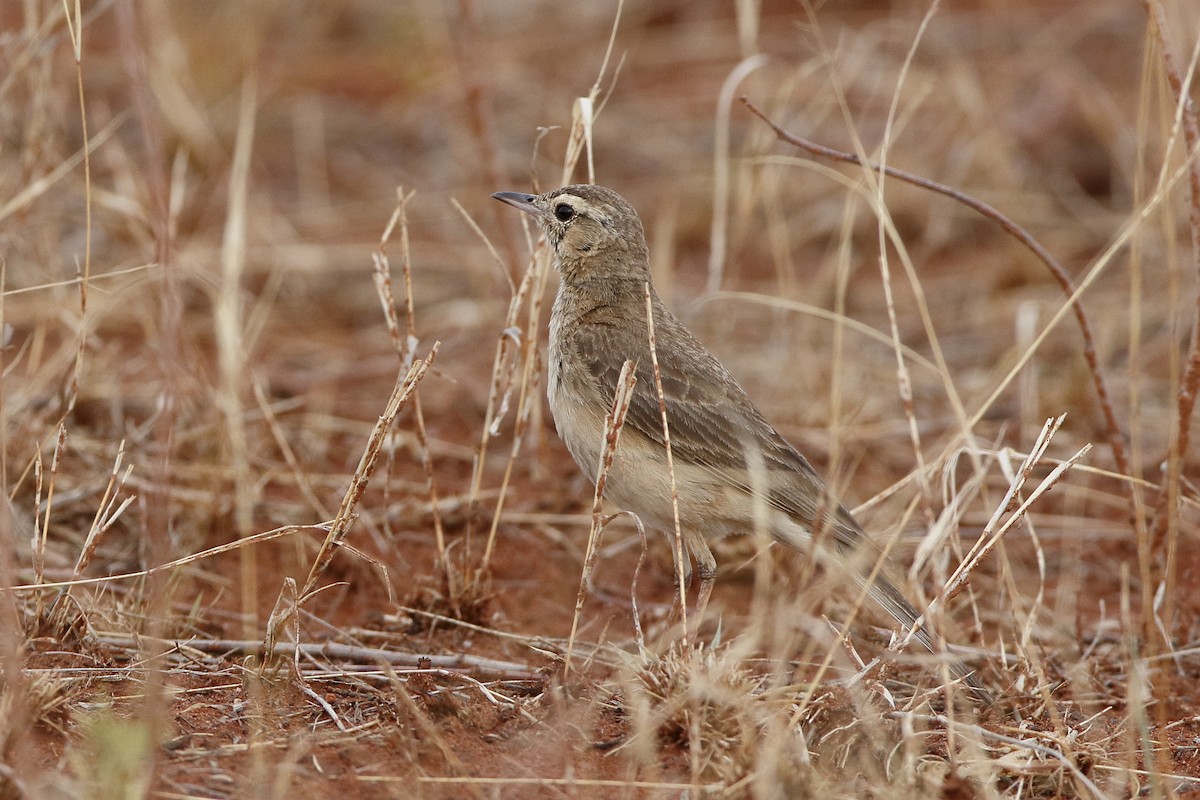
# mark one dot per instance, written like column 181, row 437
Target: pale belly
column 638, row 479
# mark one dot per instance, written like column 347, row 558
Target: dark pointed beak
column 521, row 201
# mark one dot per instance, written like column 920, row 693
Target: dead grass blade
column 256, row 538
column 1013, row 506
column 405, row 387
column 614, row 422
column 679, row 552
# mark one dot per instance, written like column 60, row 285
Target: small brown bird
column 732, row 469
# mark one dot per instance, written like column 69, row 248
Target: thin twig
column 474, row 665
column 1113, row 433
column 703, row 789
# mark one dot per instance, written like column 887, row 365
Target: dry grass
column 230, row 565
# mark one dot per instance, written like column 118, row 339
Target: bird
column 730, row 470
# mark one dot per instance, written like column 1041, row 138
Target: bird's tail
column 894, row 602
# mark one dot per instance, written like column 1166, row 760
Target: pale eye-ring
column 563, row 212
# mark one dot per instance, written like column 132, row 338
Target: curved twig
column 1112, row 429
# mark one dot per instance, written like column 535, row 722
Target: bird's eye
column 563, row 212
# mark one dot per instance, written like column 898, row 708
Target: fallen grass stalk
column 552, row 648
column 265, row 536
column 474, row 665
column 603, row 783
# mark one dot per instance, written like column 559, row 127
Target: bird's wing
column 712, row 422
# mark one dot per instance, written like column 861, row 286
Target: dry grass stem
column 614, row 422
column 107, row 512
column 505, row 372
column 679, row 553
column 406, row 345
column 405, row 386
column 1013, row 505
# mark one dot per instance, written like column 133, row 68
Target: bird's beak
column 521, row 201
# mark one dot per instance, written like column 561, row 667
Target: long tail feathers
column 892, row 601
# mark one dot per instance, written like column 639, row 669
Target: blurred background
column 231, row 346
column 1038, row 110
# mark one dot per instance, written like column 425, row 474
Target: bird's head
column 590, row 228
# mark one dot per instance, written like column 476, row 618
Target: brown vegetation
column 284, row 511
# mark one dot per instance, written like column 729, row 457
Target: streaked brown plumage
column 727, row 458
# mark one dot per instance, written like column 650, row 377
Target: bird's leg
column 705, row 575
column 706, row 572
